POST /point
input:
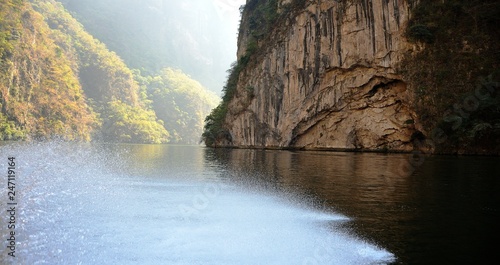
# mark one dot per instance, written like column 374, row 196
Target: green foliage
column 40, row 93
column 214, row 125
column 152, row 35
column 420, row 32
column 250, row 91
column 54, row 75
column 180, row 102
column 128, row 124
column 474, row 122
column 106, row 80
column 261, row 17
column 214, row 122
column 9, row 130
column 252, row 48
column 104, row 75
column 56, row 80
column 229, row 89
column 459, row 41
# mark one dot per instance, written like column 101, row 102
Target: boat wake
column 80, row 204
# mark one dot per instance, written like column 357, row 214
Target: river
column 160, row 204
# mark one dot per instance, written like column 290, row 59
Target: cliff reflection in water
column 123, row 204
column 192, row 205
column 444, row 212
column 360, row 176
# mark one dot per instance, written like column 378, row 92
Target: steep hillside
column 182, row 121
column 57, row 80
column 40, row 95
column 154, row 34
column 362, row 75
column 181, row 102
column 106, row 80
column 454, row 73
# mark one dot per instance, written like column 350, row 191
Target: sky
column 197, row 36
column 229, row 9
column 208, row 33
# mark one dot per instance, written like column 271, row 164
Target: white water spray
column 83, row 204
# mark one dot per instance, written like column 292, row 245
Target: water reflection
column 154, row 161
column 124, row 204
column 119, row 198
column 441, row 213
column 360, row 178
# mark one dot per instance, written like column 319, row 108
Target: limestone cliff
column 326, row 78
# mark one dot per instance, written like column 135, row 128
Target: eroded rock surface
column 328, row 79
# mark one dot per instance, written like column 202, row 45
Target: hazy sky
column 207, row 31
column 229, row 9
column 197, row 36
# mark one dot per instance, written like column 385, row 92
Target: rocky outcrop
column 326, row 77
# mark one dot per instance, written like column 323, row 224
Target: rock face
column 327, row 78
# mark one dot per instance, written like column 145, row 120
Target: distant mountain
column 57, row 80
column 197, row 36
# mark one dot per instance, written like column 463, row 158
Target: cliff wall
column 325, row 77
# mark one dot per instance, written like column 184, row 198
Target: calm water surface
column 157, row 204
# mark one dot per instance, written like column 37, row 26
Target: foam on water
column 78, row 207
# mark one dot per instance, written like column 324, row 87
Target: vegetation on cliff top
column 458, row 57
column 455, row 74
column 214, row 123
column 259, row 17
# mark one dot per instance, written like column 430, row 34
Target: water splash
column 81, row 204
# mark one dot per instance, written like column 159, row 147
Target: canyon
column 326, row 78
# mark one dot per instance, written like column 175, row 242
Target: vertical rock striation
column 326, row 78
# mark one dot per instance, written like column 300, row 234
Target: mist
column 133, row 71
column 197, row 36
